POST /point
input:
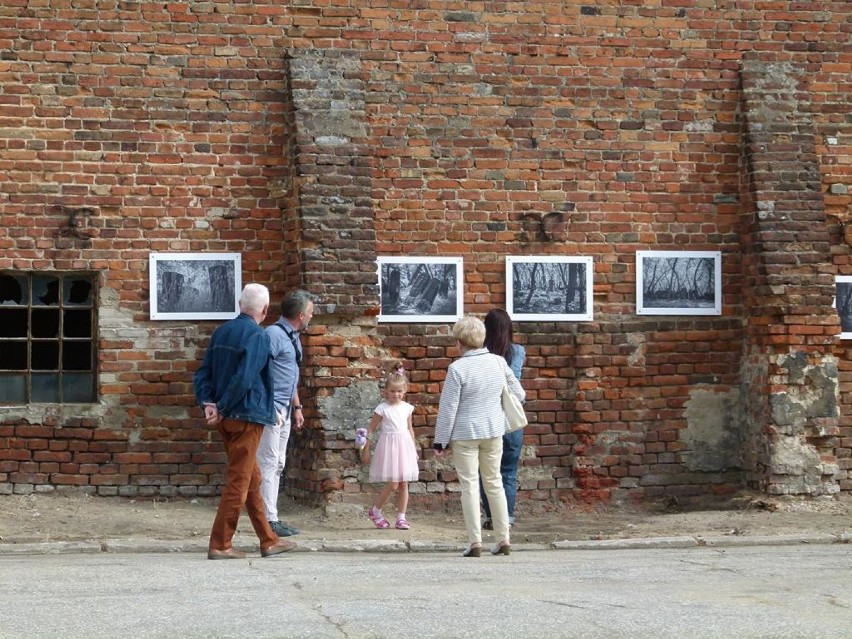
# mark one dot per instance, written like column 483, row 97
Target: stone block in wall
column 335, row 188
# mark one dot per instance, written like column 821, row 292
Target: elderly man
column 234, row 386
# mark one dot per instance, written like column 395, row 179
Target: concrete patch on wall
column 712, row 433
column 807, row 408
column 529, row 476
column 349, row 407
column 637, row 341
column 797, row 469
column 811, row 395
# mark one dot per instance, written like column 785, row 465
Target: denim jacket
column 235, row 372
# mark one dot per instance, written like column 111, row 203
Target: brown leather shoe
column 230, row 553
column 282, row 545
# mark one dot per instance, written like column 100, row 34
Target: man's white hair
column 254, row 297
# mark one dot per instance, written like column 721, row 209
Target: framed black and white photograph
column 421, row 289
column 203, row 286
column 843, row 304
column 678, row 282
column 549, row 288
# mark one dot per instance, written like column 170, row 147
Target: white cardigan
column 470, row 405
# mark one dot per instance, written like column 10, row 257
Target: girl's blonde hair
column 396, row 374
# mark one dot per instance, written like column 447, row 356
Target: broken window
column 47, row 338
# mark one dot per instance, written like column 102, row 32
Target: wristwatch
column 297, row 408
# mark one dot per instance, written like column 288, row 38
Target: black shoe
column 487, row 525
column 282, row 530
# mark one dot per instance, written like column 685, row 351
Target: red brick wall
column 177, row 124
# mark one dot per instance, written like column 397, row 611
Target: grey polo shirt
column 286, row 351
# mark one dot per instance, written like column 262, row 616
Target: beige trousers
column 472, row 458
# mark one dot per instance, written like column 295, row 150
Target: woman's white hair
column 254, row 297
column 470, row 331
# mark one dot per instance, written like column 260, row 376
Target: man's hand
column 298, row 419
column 211, row 414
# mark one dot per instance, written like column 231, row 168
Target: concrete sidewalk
column 74, row 523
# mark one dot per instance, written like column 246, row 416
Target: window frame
column 30, row 338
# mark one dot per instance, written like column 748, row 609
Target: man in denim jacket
column 234, row 386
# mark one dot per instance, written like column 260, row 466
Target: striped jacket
column 470, row 405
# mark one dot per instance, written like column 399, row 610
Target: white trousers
column 475, row 458
column 271, row 457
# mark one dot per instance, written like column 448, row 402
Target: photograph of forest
column 549, row 288
column 843, row 303
column 678, row 283
column 420, row 289
column 195, row 285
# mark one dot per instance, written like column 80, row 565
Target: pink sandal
column 378, row 518
column 402, row 524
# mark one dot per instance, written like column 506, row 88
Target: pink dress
column 394, row 458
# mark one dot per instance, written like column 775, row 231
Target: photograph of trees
column 195, row 285
column 549, row 288
column 420, row 289
column 673, row 282
column 843, row 302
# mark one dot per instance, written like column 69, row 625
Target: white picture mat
column 203, row 286
column 683, row 282
column 546, row 288
column 843, row 304
column 420, row 289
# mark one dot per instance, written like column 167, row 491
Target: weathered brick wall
column 170, row 125
column 788, row 368
column 312, row 138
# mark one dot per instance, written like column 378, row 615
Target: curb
column 395, row 546
column 698, row 542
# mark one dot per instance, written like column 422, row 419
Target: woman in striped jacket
column 470, row 415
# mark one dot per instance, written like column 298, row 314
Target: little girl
column 395, row 458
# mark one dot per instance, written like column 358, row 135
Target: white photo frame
column 549, row 288
column 678, row 282
column 202, row 286
column 420, row 289
column 843, row 304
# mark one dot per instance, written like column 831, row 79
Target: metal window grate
column 48, row 337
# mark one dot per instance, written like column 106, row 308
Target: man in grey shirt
column 297, row 309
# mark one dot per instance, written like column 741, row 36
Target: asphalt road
column 773, row 592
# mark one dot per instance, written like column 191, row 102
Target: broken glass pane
column 14, row 289
column 45, row 290
column 77, row 356
column 13, row 356
column 45, row 356
column 13, row 322
column 45, row 322
column 77, row 291
column 77, row 324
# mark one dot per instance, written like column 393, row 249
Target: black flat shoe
column 473, row 551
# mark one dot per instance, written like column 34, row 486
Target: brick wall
column 313, row 138
column 788, row 366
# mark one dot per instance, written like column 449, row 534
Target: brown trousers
column 242, row 486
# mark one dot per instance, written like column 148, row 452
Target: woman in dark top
column 498, row 340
